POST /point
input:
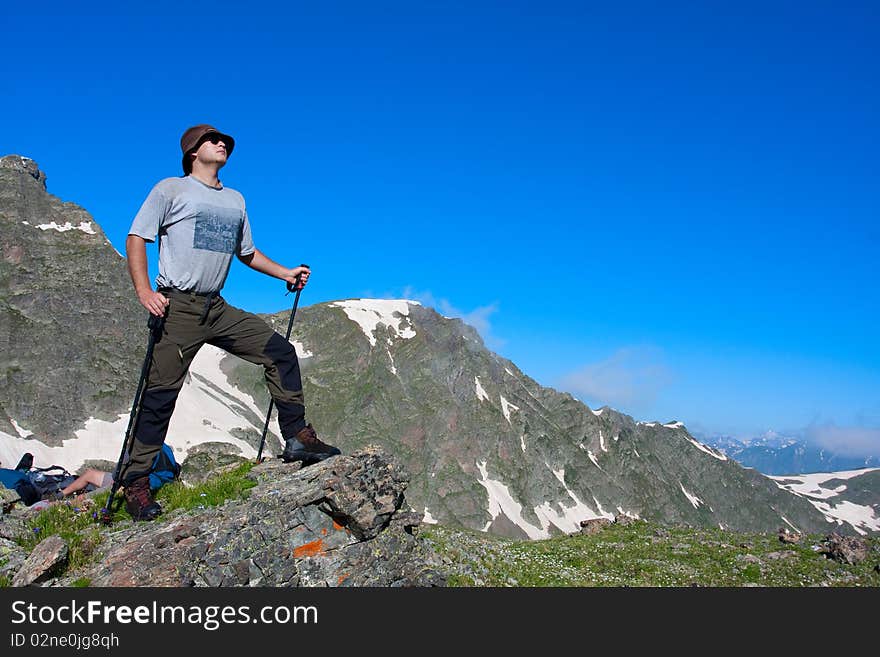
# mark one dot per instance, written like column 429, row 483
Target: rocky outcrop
column 594, row 525
column 24, row 166
column 786, row 536
column 12, row 557
column 846, row 549
column 342, row 522
column 7, row 498
column 208, row 460
column 49, row 555
column 13, row 525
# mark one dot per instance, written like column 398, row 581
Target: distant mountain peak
column 23, row 165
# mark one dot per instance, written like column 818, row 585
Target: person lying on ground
column 97, row 478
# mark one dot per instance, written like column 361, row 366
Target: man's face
column 212, row 150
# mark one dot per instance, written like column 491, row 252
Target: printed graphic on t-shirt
column 217, row 229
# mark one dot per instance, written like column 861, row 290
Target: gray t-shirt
column 200, row 228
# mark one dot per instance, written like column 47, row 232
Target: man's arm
column 258, row 261
column 136, row 252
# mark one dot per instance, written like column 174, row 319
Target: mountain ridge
column 782, row 455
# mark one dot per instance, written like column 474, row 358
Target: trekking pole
column 155, row 325
column 290, row 288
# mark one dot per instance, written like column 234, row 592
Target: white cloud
column 846, row 441
column 477, row 318
column 630, row 377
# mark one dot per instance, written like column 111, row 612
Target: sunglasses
column 214, row 138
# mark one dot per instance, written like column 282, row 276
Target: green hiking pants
column 193, row 320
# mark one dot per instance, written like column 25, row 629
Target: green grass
column 648, row 555
column 73, row 522
column 214, row 492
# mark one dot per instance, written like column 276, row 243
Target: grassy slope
column 646, row 554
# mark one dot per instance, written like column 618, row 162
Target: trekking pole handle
column 156, row 322
column 296, row 287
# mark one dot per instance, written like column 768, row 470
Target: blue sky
column 667, row 208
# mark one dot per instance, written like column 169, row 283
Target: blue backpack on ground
column 10, row 478
column 35, row 484
column 17, row 480
column 165, row 468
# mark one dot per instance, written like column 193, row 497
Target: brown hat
column 194, row 137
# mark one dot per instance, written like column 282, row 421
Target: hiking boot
column 139, row 500
column 307, row 447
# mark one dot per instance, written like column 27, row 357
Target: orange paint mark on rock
column 310, row 549
column 324, row 531
column 336, row 525
column 342, row 578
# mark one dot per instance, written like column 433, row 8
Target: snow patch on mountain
column 565, row 518
column 370, row 313
column 501, row 501
column 693, row 499
column 788, row 522
column 568, row 519
column 301, row 350
column 21, row 431
column 602, row 512
column 208, row 394
column 506, row 407
column 84, row 226
column 812, row 486
column 571, row 517
column 862, row 518
column 393, row 367
column 481, row 392
column 707, row 449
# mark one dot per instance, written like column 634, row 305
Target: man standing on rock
column 201, row 224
